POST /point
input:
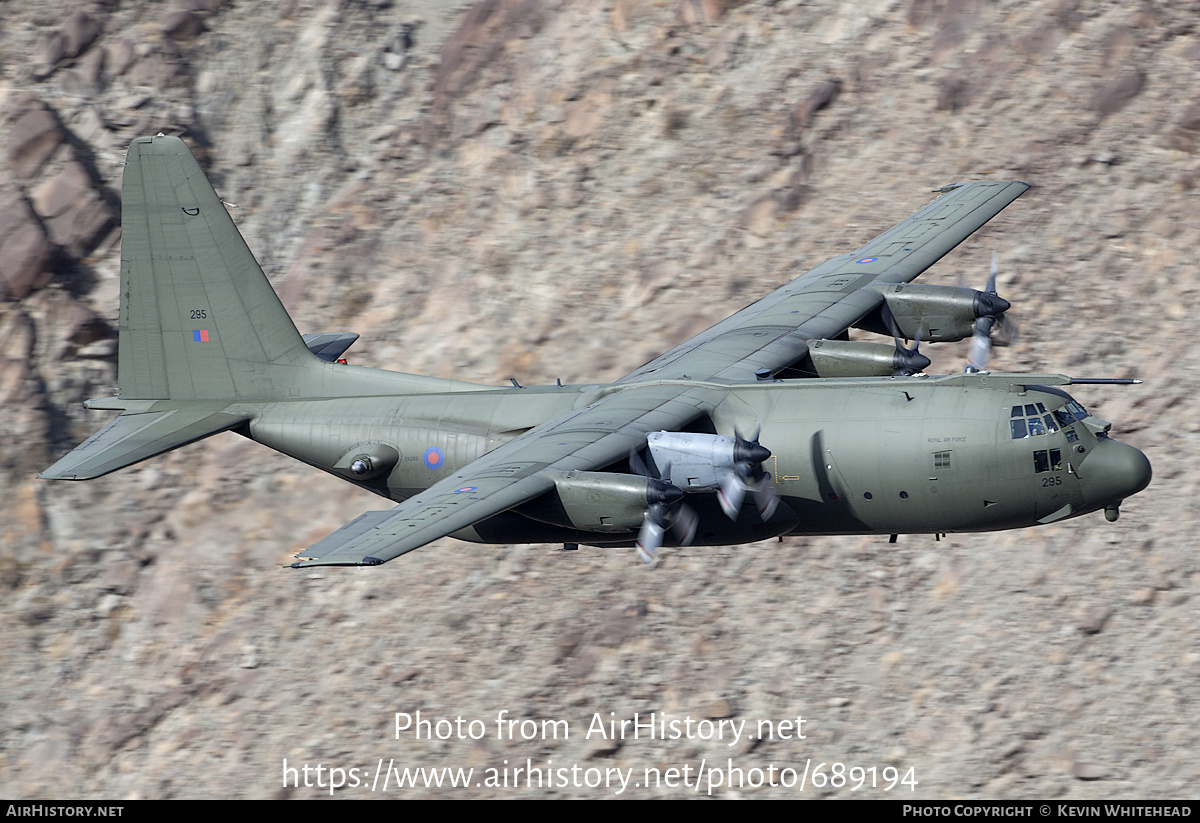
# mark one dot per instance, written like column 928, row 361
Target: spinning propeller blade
column 748, row 475
column 906, row 361
column 666, row 503
column 990, row 310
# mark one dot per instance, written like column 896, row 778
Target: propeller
column 991, row 326
column 665, row 501
column 906, row 361
column 748, row 475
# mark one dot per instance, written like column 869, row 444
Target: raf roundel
column 866, row 260
column 434, row 457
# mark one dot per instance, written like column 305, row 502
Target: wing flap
column 377, row 537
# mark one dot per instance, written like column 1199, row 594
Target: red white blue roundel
column 465, row 489
column 434, row 457
column 866, row 260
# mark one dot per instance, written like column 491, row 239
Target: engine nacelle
column 698, row 462
column 842, row 358
column 933, row 314
column 599, row 501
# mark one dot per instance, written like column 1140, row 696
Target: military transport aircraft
column 771, row 422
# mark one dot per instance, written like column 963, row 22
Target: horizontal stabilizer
column 136, row 436
column 329, row 346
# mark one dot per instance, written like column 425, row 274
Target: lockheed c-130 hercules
column 770, row 423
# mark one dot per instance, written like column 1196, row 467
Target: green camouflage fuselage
column 851, row 456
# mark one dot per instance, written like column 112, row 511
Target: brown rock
column 91, row 66
column 620, row 625
column 79, row 31
column 160, row 68
column 182, row 25
column 1144, row 596
column 708, row 12
column 1116, row 94
column 33, row 137
column 1093, row 620
column 479, row 38
column 210, row 6
column 582, row 119
column 478, row 43
column 1118, row 46
column 718, row 709
column 953, row 94
column 600, row 747
column 24, row 436
column 819, row 98
column 76, row 215
column 25, row 251
column 119, row 56
column 921, row 13
column 759, row 217
column 53, row 49
column 66, row 326
column 1082, row 770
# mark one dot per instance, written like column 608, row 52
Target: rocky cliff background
column 563, row 189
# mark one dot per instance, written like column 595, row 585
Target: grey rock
column 1117, row 92
column 1083, row 770
column 182, row 25
column 76, row 214
column 26, row 253
column 33, row 137
column 1093, row 619
column 79, row 31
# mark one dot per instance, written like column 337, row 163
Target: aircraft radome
column 772, row 422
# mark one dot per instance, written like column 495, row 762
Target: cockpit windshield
column 1071, row 412
column 1033, row 420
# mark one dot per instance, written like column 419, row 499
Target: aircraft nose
column 1112, row 472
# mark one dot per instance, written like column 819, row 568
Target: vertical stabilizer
column 198, row 317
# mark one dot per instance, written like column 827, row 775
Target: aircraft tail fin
column 198, row 319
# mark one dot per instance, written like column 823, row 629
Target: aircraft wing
column 594, row 435
column 822, row 303
column 769, row 334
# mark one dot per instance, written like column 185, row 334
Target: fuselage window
column 1041, row 461
column 1047, row 460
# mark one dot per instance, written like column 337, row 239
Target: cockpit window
column 1032, row 419
column 1069, row 413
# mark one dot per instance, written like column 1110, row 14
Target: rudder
column 198, row 317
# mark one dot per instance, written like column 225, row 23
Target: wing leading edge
column 823, row 302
